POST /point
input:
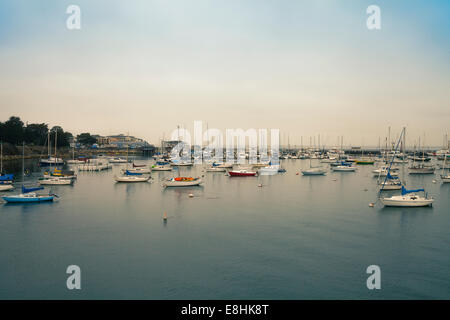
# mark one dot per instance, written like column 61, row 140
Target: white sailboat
column 408, row 198
column 129, row 176
column 314, row 171
column 445, row 177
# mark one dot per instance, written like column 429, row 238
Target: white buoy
column 371, row 204
column 191, row 195
column 434, row 181
column 165, row 216
column 260, row 185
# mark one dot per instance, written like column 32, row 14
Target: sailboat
column 408, row 198
column 182, row 182
column 343, row 167
column 314, row 171
column 390, row 183
column 364, row 160
column 130, row 175
column 73, row 160
column 445, row 177
column 49, row 161
column 420, row 168
column 28, row 195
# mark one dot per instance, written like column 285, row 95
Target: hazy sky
column 304, row 67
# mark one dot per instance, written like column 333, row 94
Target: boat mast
column 1, row 158
column 23, row 162
column 56, row 143
column 48, row 143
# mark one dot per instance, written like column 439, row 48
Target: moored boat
column 132, row 178
column 182, row 182
column 242, row 173
column 314, row 171
column 344, row 168
column 408, row 198
column 28, row 195
column 55, row 181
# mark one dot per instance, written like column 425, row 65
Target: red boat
column 242, row 173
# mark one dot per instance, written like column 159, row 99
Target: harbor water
column 294, row 237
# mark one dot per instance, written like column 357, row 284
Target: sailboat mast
column 48, row 143
column 23, row 162
column 56, row 143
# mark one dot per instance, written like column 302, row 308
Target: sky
column 307, row 68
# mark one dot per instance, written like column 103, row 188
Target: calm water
column 295, row 238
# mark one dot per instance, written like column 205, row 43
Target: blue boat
column 28, row 195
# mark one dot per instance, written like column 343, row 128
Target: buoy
column 434, row 181
column 371, row 204
column 260, row 185
column 191, row 195
column 296, row 174
column 165, row 216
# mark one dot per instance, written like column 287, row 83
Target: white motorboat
column 445, row 178
column 269, row 170
column 181, row 164
column 55, row 181
column 132, row 178
column 75, row 161
column 344, row 168
column 117, row 160
column 182, row 182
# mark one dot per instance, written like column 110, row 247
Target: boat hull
column 399, row 201
column 131, row 179
column 182, row 183
column 421, row 170
column 16, row 199
column 241, row 174
column 162, row 169
column 344, row 169
column 58, row 182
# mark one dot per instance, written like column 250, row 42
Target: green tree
column 36, row 133
column 12, row 130
column 86, row 139
column 64, row 138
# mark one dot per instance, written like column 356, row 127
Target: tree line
column 14, row 131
